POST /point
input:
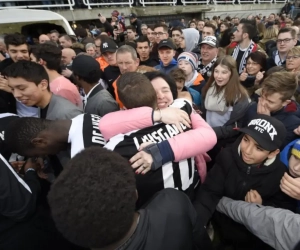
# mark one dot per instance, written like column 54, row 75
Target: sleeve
column 210, row 192
column 277, row 227
column 108, row 28
column 238, row 112
column 18, row 197
column 106, row 107
column 73, row 112
column 123, row 121
column 196, row 141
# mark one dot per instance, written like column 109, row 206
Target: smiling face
column 18, row 53
column 163, row 92
column 252, row 153
column 222, row 75
column 26, row 92
column 208, row 53
column 252, row 67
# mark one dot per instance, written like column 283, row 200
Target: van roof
column 25, row 15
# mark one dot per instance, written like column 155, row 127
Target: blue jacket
column 289, row 116
column 166, row 69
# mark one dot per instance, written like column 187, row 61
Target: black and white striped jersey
column 179, row 175
column 84, row 132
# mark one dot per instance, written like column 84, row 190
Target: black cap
column 267, row 131
column 108, row 45
column 166, row 43
column 132, row 15
column 83, row 65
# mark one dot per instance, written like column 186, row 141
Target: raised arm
column 277, row 227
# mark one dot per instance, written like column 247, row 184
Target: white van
column 32, row 22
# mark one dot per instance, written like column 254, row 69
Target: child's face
column 273, row 101
column 294, row 166
column 252, row 153
column 186, row 67
column 180, row 84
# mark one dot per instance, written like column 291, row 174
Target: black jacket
column 137, row 24
column 151, row 62
column 233, row 178
column 110, row 74
column 7, row 100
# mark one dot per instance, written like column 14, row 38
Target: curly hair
column 19, row 133
column 93, row 199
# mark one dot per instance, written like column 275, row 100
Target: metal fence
column 71, row 4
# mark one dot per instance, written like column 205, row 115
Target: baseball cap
column 267, row 131
column 210, row 40
column 108, row 45
column 132, row 15
column 115, row 13
column 166, row 43
column 83, row 65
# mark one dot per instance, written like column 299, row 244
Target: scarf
column 277, row 59
column 215, row 101
column 251, row 48
column 191, row 82
column 204, row 69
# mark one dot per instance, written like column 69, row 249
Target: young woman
column 225, row 99
column 293, row 60
column 254, row 72
column 184, row 145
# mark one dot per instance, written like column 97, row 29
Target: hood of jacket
column 286, row 153
column 191, row 37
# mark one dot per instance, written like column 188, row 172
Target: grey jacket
column 277, row 227
column 235, row 120
column 100, row 102
column 60, row 109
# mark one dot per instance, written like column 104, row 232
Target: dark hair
column 158, row 25
column 14, row 39
column 192, row 22
column 260, row 58
column 178, row 29
column 135, row 90
column 131, row 27
column 142, row 39
column 225, row 39
column 51, row 54
column 30, row 71
column 66, row 37
column 80, row 32
column 151, row 27
column 93, row 200
column 54, row 31
column 249, row 27
column 20, row 133
column 288, row 30
column 169, row 80
column 210, row 25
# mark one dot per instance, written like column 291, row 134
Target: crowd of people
column 152, row 136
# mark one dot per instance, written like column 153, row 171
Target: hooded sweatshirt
column 191, row 37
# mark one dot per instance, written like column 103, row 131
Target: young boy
column 166, row 51
column 249, row 170
column 102, row 213
column 187, row 61
column 276, row 100
column 290, row 184
column 185, row 92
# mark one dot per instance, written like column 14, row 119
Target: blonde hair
column 283, row 83
column 270, row 33
column 295, row 50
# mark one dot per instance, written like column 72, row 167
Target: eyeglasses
column 284, row 40
column 158, row 33
column 292, row 57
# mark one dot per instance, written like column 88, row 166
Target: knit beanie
column 296, row 149
column 190, row 57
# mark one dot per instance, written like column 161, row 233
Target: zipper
column 248, row 170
